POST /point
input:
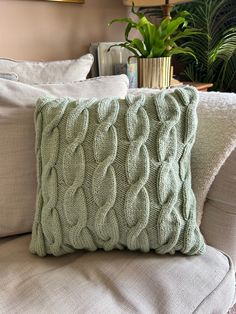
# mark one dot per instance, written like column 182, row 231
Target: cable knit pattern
column 104, row 177
column 137, row 203
column 168, row 115
column 189, row 202
column 115, row 174
column 74, row 162
column 50, row 224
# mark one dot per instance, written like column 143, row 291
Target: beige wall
column 40, row 30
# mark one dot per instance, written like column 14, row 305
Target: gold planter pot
column 154, row 72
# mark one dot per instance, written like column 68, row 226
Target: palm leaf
column 182, row 51
column 216, row 50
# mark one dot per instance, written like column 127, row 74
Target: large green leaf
column 183, row 51
column 127, row 46
column 187, row 33
column 123, row 20
column 172, row 26
column 139, row 46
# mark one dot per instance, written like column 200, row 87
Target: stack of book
column 115, row 61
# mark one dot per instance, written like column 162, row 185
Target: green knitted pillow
column 115, row 174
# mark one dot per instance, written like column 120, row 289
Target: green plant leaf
column 172, row 27
column 127, row 31
column 187, row 33
column 139, row 45
column 157, row 52
column 137, row 13
column 127, row 46
column 180, row 50
column 123, row 20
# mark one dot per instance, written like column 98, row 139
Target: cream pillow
column 64, row 71
column 17, row 138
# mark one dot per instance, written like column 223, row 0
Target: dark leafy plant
column 157, row 40
column 215, row 47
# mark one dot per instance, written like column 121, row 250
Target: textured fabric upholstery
column 219, row 217
column 115, row 174
column 113, row 282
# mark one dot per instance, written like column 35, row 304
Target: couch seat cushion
column 114, row 282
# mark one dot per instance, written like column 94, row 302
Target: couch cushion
column 17, row 141
column 62, row 71
column 220, row 208
column 114, row 282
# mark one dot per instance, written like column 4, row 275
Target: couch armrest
column 219, row 218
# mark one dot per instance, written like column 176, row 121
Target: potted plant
column 155, row 45
column 215, row 46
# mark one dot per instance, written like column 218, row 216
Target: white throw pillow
column 17, row 138
column 65, row 71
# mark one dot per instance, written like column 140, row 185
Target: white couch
column 128, row 282
column 114, row 282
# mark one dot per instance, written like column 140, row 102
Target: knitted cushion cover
column 115, row 174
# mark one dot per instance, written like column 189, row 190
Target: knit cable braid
column 74, row 162
column 167, row 191
column 115, row 174
column 137, row 204
column 50, row 220
column 104, row 185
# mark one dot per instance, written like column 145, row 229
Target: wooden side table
column 199, row 86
